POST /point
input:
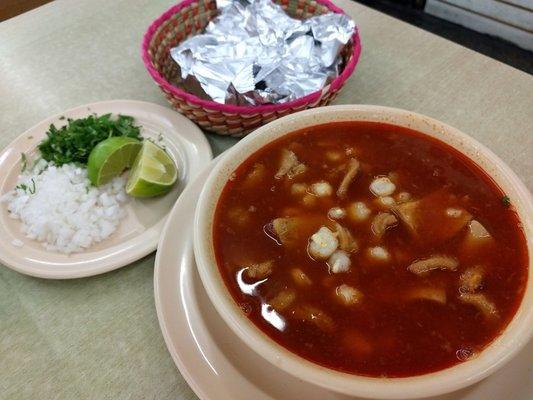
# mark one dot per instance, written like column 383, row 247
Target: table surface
column 99, row 337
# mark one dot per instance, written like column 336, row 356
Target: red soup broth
column 416, row 265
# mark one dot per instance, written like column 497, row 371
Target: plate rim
column 129, row 254
column 175, row 355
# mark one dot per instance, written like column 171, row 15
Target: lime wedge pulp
column 111, row 157
column 153, row 172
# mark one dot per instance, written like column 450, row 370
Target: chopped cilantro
column 32, row 190
column 23, row 162
column 506, row 201
column 74, row 141
column 26, row 188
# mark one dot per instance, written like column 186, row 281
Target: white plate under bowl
column 219, row 366
column 139, row 232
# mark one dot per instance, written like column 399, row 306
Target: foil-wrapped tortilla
column 254, row 53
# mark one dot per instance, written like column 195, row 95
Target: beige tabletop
column 98, row 338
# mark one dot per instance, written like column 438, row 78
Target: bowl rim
column 190, row 98
column 514, row 337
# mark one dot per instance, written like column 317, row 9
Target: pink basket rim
column 310, row 98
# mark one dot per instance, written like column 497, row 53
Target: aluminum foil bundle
column 254, row 53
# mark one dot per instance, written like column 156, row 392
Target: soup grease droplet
column 465, row 354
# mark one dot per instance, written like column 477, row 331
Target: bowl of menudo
column 369, row 250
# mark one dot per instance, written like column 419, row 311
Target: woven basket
column 189, row 18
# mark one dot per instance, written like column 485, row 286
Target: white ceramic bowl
column 502, row 349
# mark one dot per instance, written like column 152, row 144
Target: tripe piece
column 298, row 189
column 382, row 222
column 385, row 202
column 479, row 300
column 427, row 219
column 402, row 197
column 476, row 236
column 260, row 270
column 378, row 253
column 289, row 165
column 282, row 300
column 295, row 230
column 426, row 265
column 255, row 176
column 435, row 294
column 351, row 171
column 471, row 279
column 346, row 240
column 314, row 316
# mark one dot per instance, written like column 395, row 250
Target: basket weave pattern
column 189, row 18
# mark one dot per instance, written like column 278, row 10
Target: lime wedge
column 153, row 172
column 111, row 157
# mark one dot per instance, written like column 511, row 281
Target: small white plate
column 219, row 366
column 139, row 232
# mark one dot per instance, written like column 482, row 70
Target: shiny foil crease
column 254, row 53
